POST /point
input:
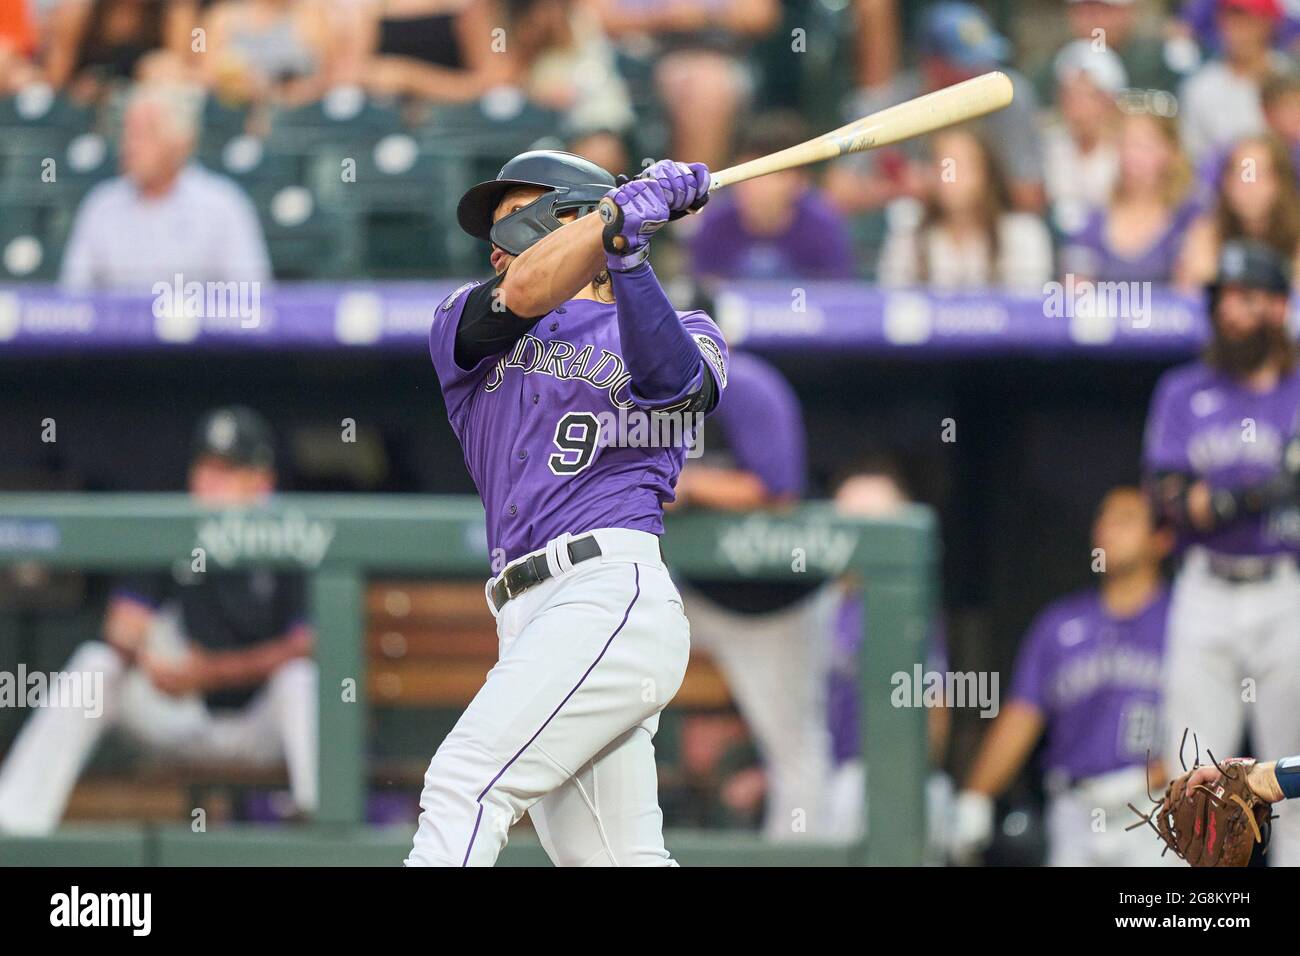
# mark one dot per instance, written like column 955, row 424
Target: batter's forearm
column 555, row 268
column 660, row 354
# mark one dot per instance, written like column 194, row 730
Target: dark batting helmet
column 572, row 184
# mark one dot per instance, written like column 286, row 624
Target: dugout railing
column 340, row 540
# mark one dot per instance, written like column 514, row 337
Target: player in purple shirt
column 1221, row 460
column 542, row 367
column 1088, row 678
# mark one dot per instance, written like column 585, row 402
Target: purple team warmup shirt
column 528, row 420
column 1199, row 424
column 776, row 452
column 816, row 244
column 1096, row 680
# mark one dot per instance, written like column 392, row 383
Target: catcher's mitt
column 1211, row 825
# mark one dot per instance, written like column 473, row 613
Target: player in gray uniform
column 573, row 331
column 1221, row 459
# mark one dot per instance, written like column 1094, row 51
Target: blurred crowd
column 1154, row 134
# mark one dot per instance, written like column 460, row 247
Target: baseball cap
column 1244, row 262
column 1103, row 67
column 964, row 34
column 236, row 434
column 1270, row 9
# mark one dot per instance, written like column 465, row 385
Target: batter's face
column 218, row 482
column 511, row 202
column 1125, row 531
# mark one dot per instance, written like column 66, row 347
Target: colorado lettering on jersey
column 1114, row 667
column 1225, row 445
column 564, row 361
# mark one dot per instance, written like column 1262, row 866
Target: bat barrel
column 964, row 101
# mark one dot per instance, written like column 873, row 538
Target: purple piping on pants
column 636, row 570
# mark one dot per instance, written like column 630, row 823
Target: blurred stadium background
column 350, row 128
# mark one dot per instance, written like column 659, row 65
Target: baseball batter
column 573, row 329
column 1221, row 459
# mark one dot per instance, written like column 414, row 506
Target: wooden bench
column 430, row 644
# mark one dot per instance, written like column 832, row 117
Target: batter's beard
column 1241, row 357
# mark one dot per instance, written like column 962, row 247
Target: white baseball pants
column 776, row 667
column 43, row 765
column 562, row 727
column 1234, row 661
column 1086, row 824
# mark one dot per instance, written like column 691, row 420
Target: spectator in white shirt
column 164, row 216
column 965, row 234
column 1082, row 149
column 1220, row 103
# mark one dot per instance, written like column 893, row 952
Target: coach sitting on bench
column 205, row 665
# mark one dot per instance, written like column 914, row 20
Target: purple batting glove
column 633, row 212
column 685, row 185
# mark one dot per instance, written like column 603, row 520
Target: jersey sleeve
column 713, row 348
column 457, row 383
column 1164, row 445
column 1033, row 667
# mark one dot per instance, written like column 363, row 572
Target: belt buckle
column 511, row 593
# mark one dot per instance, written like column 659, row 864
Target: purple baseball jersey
column 1205, row 423
column 1096, row 679
column 530, row 422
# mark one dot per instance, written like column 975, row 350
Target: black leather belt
column 522, row 575
column 1244, row 569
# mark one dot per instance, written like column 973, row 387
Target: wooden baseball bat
column 954, row 104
